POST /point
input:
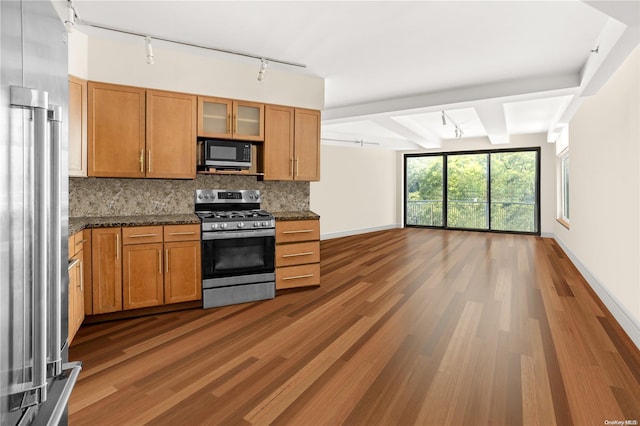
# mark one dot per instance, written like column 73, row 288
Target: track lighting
column 457, row 130
column 149, row 50
column 263, row 69
column 70, row 22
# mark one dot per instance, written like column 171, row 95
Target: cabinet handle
column 166, row 257
column 141, row 160
column 81, row 242
column 309, row 253
column 182, row 233
column 149, row 161
column 159, row 261
column 81, row 276
column 229, row 124
column 301, row 231
column 297, row 277
column 234, row 124
column 73, row 264
column 142, row 235
column 118, row 246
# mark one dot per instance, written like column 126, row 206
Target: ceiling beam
column 512, row 90
column 492, row 117
column 425, row 138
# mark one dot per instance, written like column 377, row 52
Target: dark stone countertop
column 297, row 215
column 77, row 224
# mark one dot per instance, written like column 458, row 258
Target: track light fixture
column 149, row 50
column 263, row 69
column 457, row 130
column 70, row 22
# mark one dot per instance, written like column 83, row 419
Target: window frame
column 564, row 189
column 444, row 155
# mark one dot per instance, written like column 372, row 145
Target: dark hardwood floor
column 410, row 326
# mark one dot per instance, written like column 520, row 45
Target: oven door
column 229, row 255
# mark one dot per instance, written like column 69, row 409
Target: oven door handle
column 257, row 233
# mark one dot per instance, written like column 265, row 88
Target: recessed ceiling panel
column 431, row 123
column 534, row 116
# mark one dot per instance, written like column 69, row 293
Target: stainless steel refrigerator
column 35, row 377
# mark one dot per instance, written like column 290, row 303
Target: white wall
column 356, row 192
column 547, row 169
column 604, row 235
column 201, row 72
column 78, row 54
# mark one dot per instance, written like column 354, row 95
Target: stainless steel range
column 238, row 247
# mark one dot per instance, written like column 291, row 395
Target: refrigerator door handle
column 55, row 241
column 37, row 102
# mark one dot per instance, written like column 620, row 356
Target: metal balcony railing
column 471, row 214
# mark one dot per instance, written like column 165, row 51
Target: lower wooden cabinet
column 297, row 253
column 79, row 266
column 106, row 263
column 158, row 265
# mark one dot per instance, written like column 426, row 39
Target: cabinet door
column 182, row 280
column 214, row 117
column 106, row 270
column 77, row 127
column 142, row 275
column 171, row 135
column 86, row 271
column 307, row 145
column 248, row 121
column 76, row 295
column 278, row 143
column 116, row 130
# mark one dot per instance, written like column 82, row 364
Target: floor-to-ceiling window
column 482, row 190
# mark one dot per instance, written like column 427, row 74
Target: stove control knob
column 264, row 223
column 223, row 225
column 241, row 225
column 214, row 226
column 200, row 196
column 256, row 224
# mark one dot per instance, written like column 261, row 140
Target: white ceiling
column 496, row 68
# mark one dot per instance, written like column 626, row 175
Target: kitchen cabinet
column 183, row 274
column 230, row 119
column 77, row 127
column 171, row 135
column 292, row 144
column 142, row 277
column 106, row 282
column 297, row 253
column 158, row 265
column 116, row 130
column 76, row 269
column 136, row 133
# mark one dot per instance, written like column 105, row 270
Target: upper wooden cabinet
column 230, row 119
column 292, row 144
column 135, row 132
column 77, row 126
column 116, row 130
column 171, row 135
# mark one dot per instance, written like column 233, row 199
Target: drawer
column 298, row 276
column 182, row 232
column 297, row 253
column 76, row 243
column 141, row 235
column 291, row 231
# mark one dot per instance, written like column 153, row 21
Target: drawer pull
column 142, row 235
column 309, row 253
column 73, row 264
column 297, row 277
column 81, row 242
column 182, row 233
column 302, row 231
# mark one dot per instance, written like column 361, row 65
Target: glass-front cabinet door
column 229, row 119
column 248, row 121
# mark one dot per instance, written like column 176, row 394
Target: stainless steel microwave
column 224, row 154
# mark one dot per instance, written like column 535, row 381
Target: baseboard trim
column 619, row 312
column 351, row 232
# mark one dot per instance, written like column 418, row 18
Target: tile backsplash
column 128, row 197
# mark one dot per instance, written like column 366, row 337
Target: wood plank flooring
column 410, row 326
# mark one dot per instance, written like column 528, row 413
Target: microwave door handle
column 37, row 102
